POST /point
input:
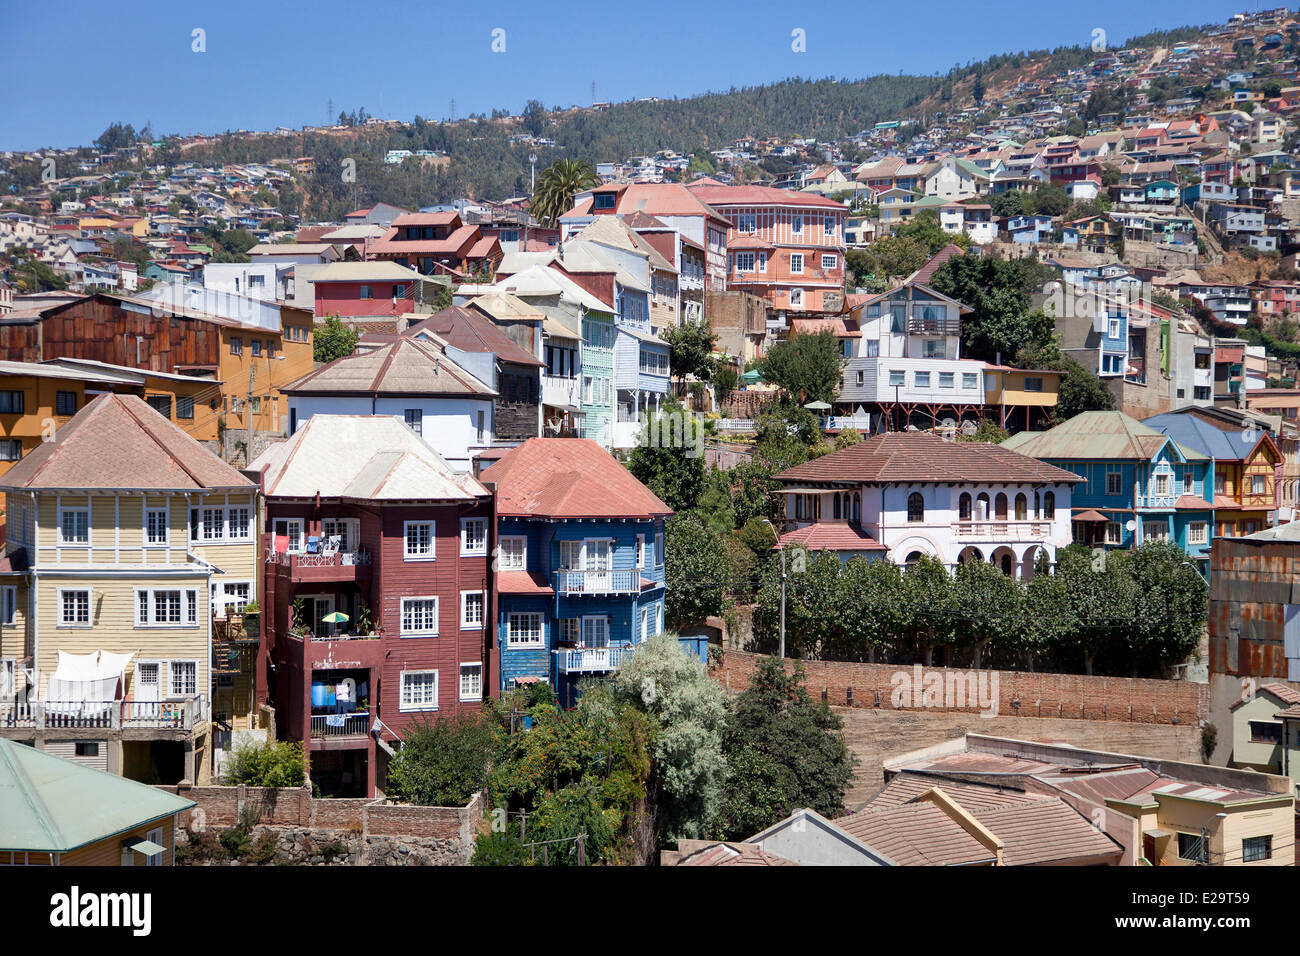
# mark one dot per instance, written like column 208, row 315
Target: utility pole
column 248, row 414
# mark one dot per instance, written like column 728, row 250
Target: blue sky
column 69, row 69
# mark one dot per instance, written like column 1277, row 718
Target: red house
column 378, row 596
column 438, row 244
column 368, row 290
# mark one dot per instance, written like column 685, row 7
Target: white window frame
column 8, row 605
column 1197, row 532
column 221, row 599
column 659, row 549
column 502, row 544
column 64, row 542
column 90, row 607
column 404, row 631
column 1160, row 485
column 570, row 629
column 830, row 261
column 165, row 511
column 465, row 623
column 348, row 529
column 1116, row 527
column 640, row 552
column 173, row 672
column 404, row 705
column 796, row 298
column 796, row 270
column 406, row 541
column 472, row 695
column 603, row 619
column 189, row 601
column 465, row 548
column 511, row 641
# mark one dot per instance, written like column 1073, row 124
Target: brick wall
column 1019, row 693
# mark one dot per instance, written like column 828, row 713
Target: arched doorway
column 970, row 553
column 1004, row 559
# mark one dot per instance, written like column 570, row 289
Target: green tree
column 998, row 292
column 992, row 606
column 444, row 762
column 807, row 367
column 691, row 711
column 776, row 719
column 333, row 340
column 677, row 478
column 557, row 186
column 695, row 563
column 691, row 350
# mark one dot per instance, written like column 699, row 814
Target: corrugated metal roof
column 52, row 805
column 1095, row 436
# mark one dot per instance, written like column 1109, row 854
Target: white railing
column 590, row 659
column 340, row 725
column 107, row 715
column 331, row 559
column 622, row 581
column 734, row 424
column 861, row 422
column 1002, row 529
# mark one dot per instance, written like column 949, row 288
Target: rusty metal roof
column 1098, row 436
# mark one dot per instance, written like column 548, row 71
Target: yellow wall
column 109, row 852
column 293, row 361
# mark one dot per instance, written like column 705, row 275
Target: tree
column 1101, row 602
column 998, row 293
column 443, row 763
column 557, row 186
column 695, row 563
column 691, row 350
column 992, row 606
column 755, row 793
column 333, row 340
column 691, row 711
column 806, row 366
column 677, row 478
column 752, row 485
column 715, row 506
column 925, row 229
column 534, row 116
column 779, row 725
column 1170, row 612
column 977, row 90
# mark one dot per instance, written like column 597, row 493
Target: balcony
column 622, row 581
column 326, row 566
column 107, row 715
column 1002, row 529
column 340, row 725
column 592, row 660
column 560, row 390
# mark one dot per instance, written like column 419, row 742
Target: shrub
column 273, row 764
column 444, row 762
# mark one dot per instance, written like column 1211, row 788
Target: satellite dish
column 1130, row 525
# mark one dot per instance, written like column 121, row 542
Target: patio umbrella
column 817, row 407
column 752, row 376
column 335, row 617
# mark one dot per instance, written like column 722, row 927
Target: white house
column 905, row 495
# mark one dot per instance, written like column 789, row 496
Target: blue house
column 580, row 563
column 1030, row 229
column 1140, row 484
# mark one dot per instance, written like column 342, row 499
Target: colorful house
column 1139, row 485
column 580, row 562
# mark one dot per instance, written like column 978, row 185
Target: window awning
column 1157, row 834
column 142, row 846
column 1089, row 515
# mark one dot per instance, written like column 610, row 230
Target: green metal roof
column 1093, row 436
column 52, row 805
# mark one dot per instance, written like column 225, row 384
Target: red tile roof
column 914, row 456
column 720, row 196
column 523, row 582
column 469, row 331
column 568, row 478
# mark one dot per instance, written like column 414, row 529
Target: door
column 596, row 559
column 320, row 606
column 148, row 690
column 287, row 534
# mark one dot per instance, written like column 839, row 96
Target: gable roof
column 919, row 457
column 1217, row 443
column 1097, row 436
column 362, row 458
column 408, row 366
column 568, row 478
column 470, row 331
column 116, row 442
column 52, row 805
column 718, row 196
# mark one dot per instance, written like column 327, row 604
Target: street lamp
column 780, row 547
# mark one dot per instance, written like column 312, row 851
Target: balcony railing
column 340, row 725
column 1008, row 529
column 108, row 715
column 334, row 559
column 622, row 581
column 575, row 660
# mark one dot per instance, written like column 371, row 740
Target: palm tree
column 558, row 184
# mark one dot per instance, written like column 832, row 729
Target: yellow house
column 43, row 818
column 1023, row 398
column 1244, row 488
column 125, row 538
column 255, row 362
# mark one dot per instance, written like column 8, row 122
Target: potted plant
column 252, row 619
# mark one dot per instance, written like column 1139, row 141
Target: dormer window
column 604, row 200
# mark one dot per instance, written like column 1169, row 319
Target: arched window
column 913, row 558
column 835, row 507
column 1022, row 507
column 1049, row 505
column 1007, row 564
column 1001, row 504
column 982, row 511
column 963, row 507
column 915, row 507
column 1038, row 506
